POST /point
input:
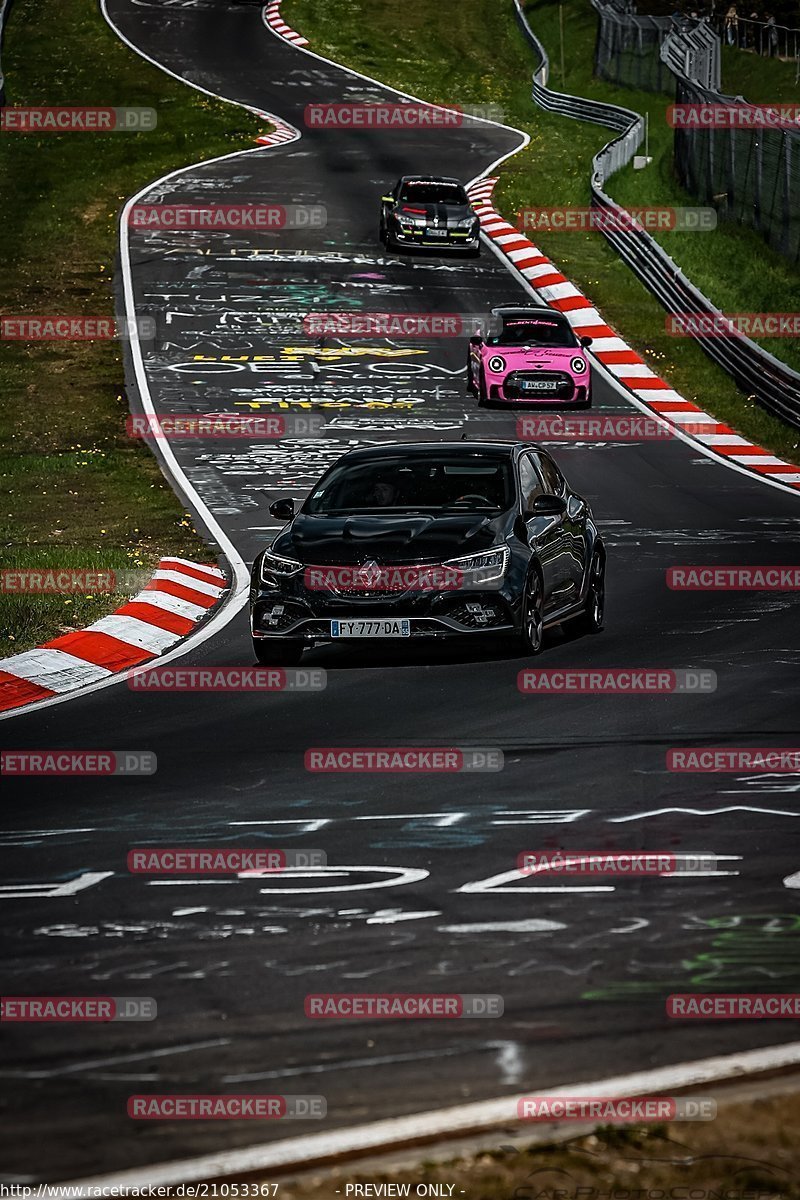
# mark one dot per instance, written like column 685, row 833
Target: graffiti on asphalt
column 746, row 951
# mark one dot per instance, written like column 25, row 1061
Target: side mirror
column 387, row 199
column 586, row 341
column 476, row 340
column 282, row 510
column 548, row 506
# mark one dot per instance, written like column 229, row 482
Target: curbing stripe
column 15, row 691
column 101, row 649
column 53, row 669
column 171, row 604
column 209, row 590
column 282, row 133
column 157, row 616
column 204, row 574
column 273, row 18
column 182, row 591
column 132, row 632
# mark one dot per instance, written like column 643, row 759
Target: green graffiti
column 756, row 951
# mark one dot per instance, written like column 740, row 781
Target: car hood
column 441, row 212
column 405, row 538
column 536, row 356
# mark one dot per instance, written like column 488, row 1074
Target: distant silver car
column 425, row 210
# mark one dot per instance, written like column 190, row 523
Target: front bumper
column 316, row 631
column 566, row 391
column 454, row 239
column 294, row 613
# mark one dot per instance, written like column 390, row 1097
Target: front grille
column 382, row 581
column 564, row 385
column 354, row 593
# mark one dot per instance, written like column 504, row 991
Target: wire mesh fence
column 627, row 49
column 749, row 172
column 750, row 175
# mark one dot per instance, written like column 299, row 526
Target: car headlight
column 496, row 363
column 492, row 564
column 410, row 219
column 466, row 222
column 578, row 366
column 276, row 564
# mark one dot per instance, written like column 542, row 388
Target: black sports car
column 423, row 210
column 415, row 540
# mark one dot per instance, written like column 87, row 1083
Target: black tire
column 531, row 634
column 592, row 618
column 483, row 395
column 470, row 381
column 474, row 253
column 278, row 652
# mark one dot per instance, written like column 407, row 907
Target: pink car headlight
column 497, row 364
column 577, row 366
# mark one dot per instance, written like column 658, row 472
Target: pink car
column 529, row 355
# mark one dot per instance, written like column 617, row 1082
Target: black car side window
column 530, row 485
column 553, row 479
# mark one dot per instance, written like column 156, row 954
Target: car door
column 573, row 525
column 546, row 534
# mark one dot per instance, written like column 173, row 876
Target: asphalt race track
column 583, row 970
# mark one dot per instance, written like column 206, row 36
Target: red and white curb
column 177, row 598
column 282, row 133
column 628, row 367
column 273, row 18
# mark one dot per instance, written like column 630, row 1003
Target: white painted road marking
column 34, row 891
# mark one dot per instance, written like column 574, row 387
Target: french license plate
column 378, row 627
column 539, row 385
column 436, row 233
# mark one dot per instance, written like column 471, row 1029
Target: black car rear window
column 432, row 193
column 414, row 483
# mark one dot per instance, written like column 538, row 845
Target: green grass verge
column 74, row 491
column 761, row 80
column 475, row 54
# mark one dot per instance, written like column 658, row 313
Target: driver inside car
column 383, row 492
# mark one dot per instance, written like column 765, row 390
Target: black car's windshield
column 534, row 331
column 432, row 193
column 414, row 483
